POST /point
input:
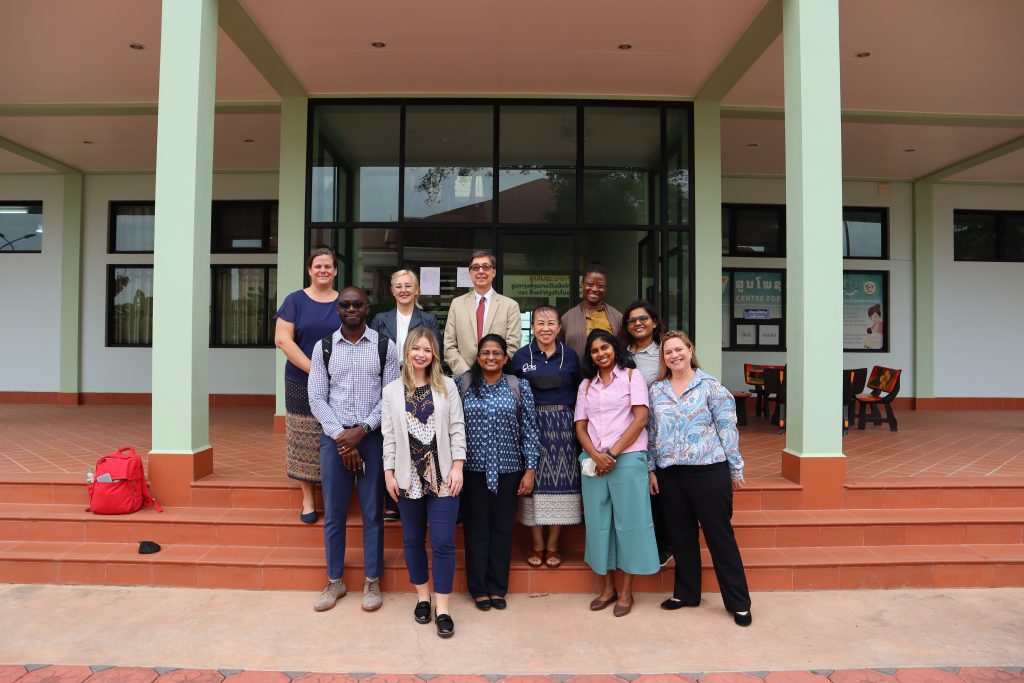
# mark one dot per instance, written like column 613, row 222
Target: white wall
column 979, row 307
column 125, row 369
column 898, row 197
column 30, row 292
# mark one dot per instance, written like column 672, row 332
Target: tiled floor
column 46, row 439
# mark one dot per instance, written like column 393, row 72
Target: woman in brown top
column 592, row 313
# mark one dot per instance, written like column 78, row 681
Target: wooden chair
column 753, row 375
column 775, row 385
column 884, row 384
column 853, row 384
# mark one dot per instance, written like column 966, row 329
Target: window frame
column 884, row 211
column 1000, row 216
column 112, row 214
column 734, row 321
column 109, row 307
column 779, row 209
column 267, row 207
column 269, row 304
column 29, row 204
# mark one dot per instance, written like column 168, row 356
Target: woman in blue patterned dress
column 502, row 447
column 695, row 464
column 553, row 370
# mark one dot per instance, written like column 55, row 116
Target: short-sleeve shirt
column 648, row 362
column 313, row 321
column 530, row 362
column 608, row 408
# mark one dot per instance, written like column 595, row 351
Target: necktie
column 480, row 318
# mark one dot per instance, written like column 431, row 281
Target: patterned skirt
column 556, row 493
column 301, row 433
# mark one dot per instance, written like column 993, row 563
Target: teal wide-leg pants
column 617, row 511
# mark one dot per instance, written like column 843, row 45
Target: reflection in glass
column 449, row 156
column 537, row 270
column 621, row 156
column 537, row 157
column 131, row 302
column 448, row 249
column 677, row 317
column 974, row 237
column 374, row 259
column 862, row 233
column 619, row 251
column 21, row 226
column 355, row 163
column 758, row 231
column 677, row 144
column 240, row 296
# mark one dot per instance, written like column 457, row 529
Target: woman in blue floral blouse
column 502, row 447
column 695, row 463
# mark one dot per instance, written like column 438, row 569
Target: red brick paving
column 66, row 674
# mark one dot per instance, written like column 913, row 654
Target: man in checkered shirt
column 346, row 401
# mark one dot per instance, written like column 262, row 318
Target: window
column 21, row 227
column 865, row 233
column 622, row 158
column 131, row 227
column 129, row 305
column 753, row 230
column 243, row 226
column 241, row 314
column 537, row 157
column 752, row 309
column 988, row 235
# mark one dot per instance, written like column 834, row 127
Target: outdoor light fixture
column 137, row 46
column 378, row 44
column 625, row 46
column 86, row 142
column 862, row 55
column 13, row 209
column 751, row 144
column 248, row 140
column 910, row 149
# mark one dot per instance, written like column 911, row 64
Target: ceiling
column 948, row 70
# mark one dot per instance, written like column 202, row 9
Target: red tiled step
column 281, row 528
column 935, row 492
column 923, row 566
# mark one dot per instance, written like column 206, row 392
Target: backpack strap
column 464, row 382
column 513, row 384
column 326, row 346
column 382, row 355
column 147, row 498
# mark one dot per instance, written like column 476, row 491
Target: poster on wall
column 865, row 318
column 757, row 295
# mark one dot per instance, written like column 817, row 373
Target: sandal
column 554, row 559
column 535, row 558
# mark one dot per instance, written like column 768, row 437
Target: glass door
column 537, row 268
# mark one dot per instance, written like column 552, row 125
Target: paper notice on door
column 462, row 277
column 430, row 281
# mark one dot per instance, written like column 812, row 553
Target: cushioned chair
column 753, row 374
column 775, row 386
column 853, row 384
column 884, row 384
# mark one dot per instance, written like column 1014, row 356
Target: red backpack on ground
column 126, row 490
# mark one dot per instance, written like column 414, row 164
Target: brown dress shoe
column 621, row 610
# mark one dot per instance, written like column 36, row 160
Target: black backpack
column 327, row 345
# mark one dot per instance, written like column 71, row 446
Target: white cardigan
column 449, row 425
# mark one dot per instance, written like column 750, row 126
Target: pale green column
column 71, row 288
column 184, row 187
column 924, row 291
column 814, row 245
column 707, row 258
column 291, row 213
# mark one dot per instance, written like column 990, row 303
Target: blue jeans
column 338, row 484
column 440, row 514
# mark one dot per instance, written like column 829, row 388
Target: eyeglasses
column 355, row 305
column 638, row 319
column 481, row 267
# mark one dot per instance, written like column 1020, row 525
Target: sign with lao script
column 536, row 286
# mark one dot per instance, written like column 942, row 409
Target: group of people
column 603, row 418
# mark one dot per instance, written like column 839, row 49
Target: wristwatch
column 366, row 427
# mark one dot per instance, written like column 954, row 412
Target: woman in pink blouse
column 611, row 425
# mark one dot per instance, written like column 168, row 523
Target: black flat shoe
column 445, row 625
column 673, row 603
column 422, row 612
column 483, row 605
column 308, row 517
column 498, row 603
column 743, row 619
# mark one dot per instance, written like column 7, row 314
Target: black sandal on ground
column 445, row 625
column 422, row 612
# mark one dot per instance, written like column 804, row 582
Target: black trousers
column 488, row 521
column 661, row 536
column 702, row 494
